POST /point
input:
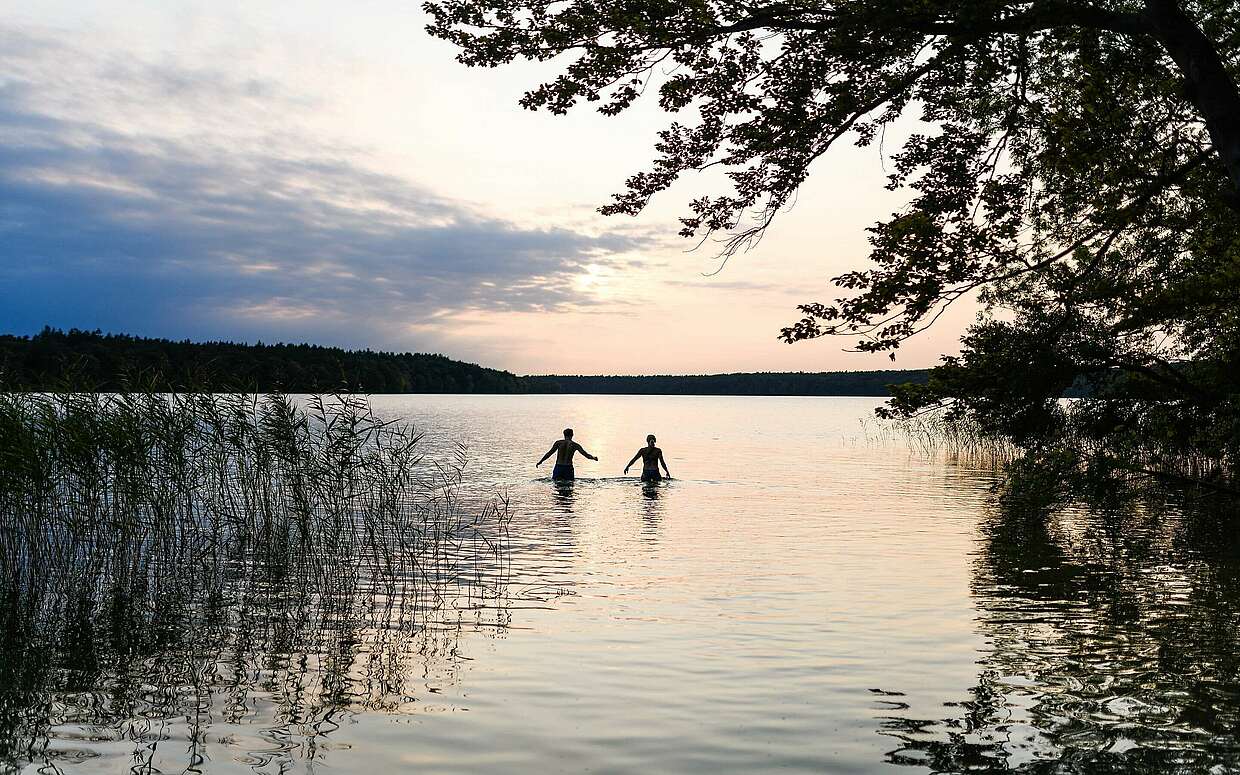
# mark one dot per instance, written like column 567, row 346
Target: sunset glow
column 207, row 170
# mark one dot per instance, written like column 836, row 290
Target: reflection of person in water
column 563, row 496
column 651, row 457
column 563, row 451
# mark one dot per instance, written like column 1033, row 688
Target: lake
column 810, row 593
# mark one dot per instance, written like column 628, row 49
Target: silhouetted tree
column 1078, row 168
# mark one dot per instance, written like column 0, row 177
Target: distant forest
column 827, row 383
column 86, row 360
column 92, row 360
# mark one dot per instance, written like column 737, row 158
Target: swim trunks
column 562, row 472
column 651, row 475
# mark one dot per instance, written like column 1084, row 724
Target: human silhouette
column 651, row 457
column 563, row 451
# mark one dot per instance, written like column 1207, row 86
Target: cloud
column 159, row 200
column 710, row 282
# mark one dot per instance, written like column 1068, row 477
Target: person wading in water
column 563, row 451
column 651, row 457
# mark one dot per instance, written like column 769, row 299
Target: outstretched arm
column 664, row 462
column 550, row 452
column 582, row 450
column 631, row 462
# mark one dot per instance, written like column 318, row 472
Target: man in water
column 563, row 451
column 651, row 457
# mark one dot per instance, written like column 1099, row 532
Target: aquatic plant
column 216, row 546
column 954, row 438
column 1077, row 460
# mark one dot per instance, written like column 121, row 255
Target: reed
column 186, row 541
column 955, row 438
column 1075, row 458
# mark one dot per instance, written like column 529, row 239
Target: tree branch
column 1040, row 16
column 1210, row 87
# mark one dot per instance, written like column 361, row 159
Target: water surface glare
column 807, row 594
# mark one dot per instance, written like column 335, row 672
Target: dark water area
column 808, row 594
column 1111, row 646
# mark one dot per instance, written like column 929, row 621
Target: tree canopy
column 1073, row 165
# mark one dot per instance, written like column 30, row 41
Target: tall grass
column 180, row 541
column 1076, row 456
column 954, row 438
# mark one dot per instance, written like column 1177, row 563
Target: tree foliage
column 1073, row 165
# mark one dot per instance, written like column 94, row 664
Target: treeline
column 826, row 383
column 92, row 360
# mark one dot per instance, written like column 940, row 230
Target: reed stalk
column 184, row 541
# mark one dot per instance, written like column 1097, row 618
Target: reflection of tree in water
column 1113, row 646
column 234, row 622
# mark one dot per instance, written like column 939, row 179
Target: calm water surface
column 808, row 594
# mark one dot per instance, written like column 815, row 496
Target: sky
column 330, row 174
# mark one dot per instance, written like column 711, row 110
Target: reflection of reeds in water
column 169, row 563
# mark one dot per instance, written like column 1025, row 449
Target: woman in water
column 651, row 457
